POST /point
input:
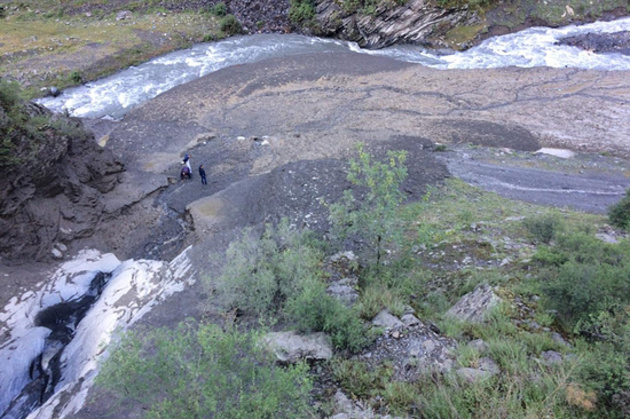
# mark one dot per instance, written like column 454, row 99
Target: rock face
column 618, row 42
column 414, row 22
column 56, row 196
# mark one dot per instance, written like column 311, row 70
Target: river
column 112, row 97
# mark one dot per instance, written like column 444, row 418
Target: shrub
column 200, row 371
column 230, row 25
column 374, row 218
column 589, row 278
column 219, row 9
column 543, row 229
column 301, row 11
column 260, row 274
column 619, row 214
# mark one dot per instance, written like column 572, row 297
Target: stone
column 343, row 291
column 473, row 375
column 289, row 347
column 479, row 345
column 551, row 357
column 473, row 306
column 387, row 321
column 124, row 14
column 559, row 340
column 57, row 254
column 488, row 364
column 410, row 320
column 557, row 152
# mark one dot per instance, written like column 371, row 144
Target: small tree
column 373, row 218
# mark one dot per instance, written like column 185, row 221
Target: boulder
column 289, row 347
column 387, row 321
column 473, row 306
column 473, row 375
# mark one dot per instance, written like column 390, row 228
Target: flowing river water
column 58, row 333
column 113, row 96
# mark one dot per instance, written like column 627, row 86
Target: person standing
column 202, row 174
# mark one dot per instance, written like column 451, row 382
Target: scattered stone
column 473, row 375
column 410, row 320
column 479, row 345
column 387, row 321
column 124, row 14
column 607, row 238
column 488, row 364
column 396, row 334
column 559, row 340
column 62, row 247
column 53, row 91
column 557, row 152
column 551, row 357
column 473, row 306
column 290, row 347
column 344, row 290
column 57, row 254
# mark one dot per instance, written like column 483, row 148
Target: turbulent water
column 113, row 96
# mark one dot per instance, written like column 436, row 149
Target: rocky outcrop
column 55, row 194
column 414, row 22
column 618, row 42
column 474, row 306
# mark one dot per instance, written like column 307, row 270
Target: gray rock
column 479, row 345
column 124, row 14
column 343, row 291
column 473, row 306
column 559, row 340
column 473, row 375
column 551, row 357
column 488, row 364
column 290, row 347
column 387, row 321
column 57, row 254
column 410, row 320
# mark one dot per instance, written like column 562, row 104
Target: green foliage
column 356, row 379
column 200, row 371
column 587, row 277
column 76, row 77
column 543, row 229
column 230, row 25
column 219, row 9
column 261, row 273
column 301, row 12
column 373, row 218
column 619, row 213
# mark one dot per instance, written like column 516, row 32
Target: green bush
column 588, row 277
column 230, row 25
column 301, row 11
column 543, row 229
column 260, row 274
column 619, row 214
column 200, row 371
column 219, row 9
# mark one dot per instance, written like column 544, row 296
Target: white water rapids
column 113, row 96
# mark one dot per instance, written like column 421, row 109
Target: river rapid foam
column 112, row 97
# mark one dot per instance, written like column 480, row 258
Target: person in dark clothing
column 202, row 173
